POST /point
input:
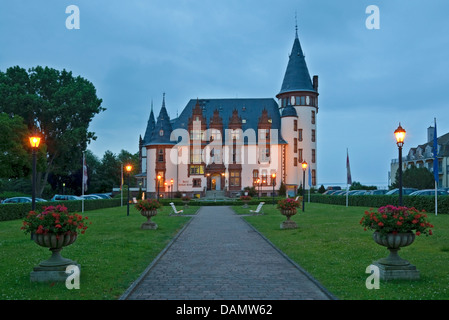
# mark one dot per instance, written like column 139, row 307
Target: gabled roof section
column 249, row 110
column 297, row 77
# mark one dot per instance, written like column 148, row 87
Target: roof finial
column 296, row 24
column 151, row 105
column 163, row 100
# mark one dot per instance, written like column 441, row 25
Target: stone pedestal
column 289, row 224
column 51, row 274
column 149, row 225
column 401, row 272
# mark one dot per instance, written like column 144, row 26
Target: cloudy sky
column 134, row 51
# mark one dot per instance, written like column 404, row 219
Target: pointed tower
column 298, row 103
column 160, row 169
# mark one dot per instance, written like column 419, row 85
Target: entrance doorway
column 216, row 182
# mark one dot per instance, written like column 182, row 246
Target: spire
column 296, row 26
column 163, row 128
column 150, row 126
column 297, row 77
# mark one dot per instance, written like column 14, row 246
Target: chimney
column 430, row 133
column 315, row 83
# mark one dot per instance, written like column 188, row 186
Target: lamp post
column 159, row 177
column 171, row 188
column 34, row 142
column 400, row 136
column 128, row 169
column 258, row 191
column 165, row 188
column 304, row 167
column 273, row 182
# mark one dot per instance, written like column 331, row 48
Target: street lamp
column 273, row 182
column 400, row 136
column 159, row 177
column 304, row 167
column 34, row 142
column 258, row 192
column 171, row 189
column 128, row 169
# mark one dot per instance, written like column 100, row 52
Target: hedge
column 426, row 203
column 12, row 211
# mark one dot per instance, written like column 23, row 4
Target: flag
column 84, row 174
column 435, row 153
column 348, row 169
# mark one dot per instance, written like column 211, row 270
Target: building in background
column 225, row 145
column 422, row 156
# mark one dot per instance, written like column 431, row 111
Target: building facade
column 422, row 157
column 228, row 144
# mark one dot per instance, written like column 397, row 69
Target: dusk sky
column 134, row 51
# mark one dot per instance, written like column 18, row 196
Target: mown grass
column 332, row 246
column 112, row 253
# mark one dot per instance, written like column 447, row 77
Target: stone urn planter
column 393, row 266
column 288, row 208
column 394, row 242
column 55, row 243
column 54, row 268
column 288, row 224
column 149, row 225
column 54, row 228
column 148, row 209
column 395, row 228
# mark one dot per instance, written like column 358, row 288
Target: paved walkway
column 219, row 256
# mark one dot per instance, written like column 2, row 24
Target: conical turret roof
column 297, row 77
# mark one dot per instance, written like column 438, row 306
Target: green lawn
column 112, row 253
column 332, row 246
column 329, row 243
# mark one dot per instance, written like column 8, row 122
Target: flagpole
column 348, row 175
column 82, row 187
column 435, row 164
column 121, row 187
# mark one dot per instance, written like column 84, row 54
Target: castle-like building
column 229, row 144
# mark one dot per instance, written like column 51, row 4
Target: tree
column 14, row 158
column 59, row 106
column 322, row 189
column 358, row 186
column 413, row 177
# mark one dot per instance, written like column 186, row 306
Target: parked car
column 102, row 195
column 376, row 192
column 429, row 192
column 58, row 197
column 22, row 200
column 339, row 193
column 405, row 191
column 91, row 197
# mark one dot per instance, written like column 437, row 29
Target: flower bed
column 56, row 220
column 391, row 219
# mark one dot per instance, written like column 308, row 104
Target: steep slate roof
column 443, row 142
column 163, row 123
column 150, row 127
column 248, row 109
column 297, row 77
